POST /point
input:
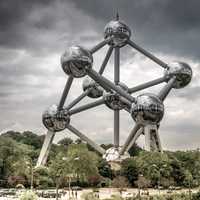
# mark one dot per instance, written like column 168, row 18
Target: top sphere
column 119, row 32
column 182, row 71
column 76, row 60
column 149, row 109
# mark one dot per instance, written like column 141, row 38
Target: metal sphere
column 182, row 71
column 95, row 90
column 76, row 60
column 55, row 120
column 113, row 100
column 112, row 154
column 148, row 109
column 119, row 31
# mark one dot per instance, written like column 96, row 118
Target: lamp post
column 30, row 166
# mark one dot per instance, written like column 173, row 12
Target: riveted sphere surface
column 55, row 120
column 76, row 60
column 112, row 154
column 148, row 109
column 119, row 32
column 182, row 71
column 95, row 90
column 114, row 101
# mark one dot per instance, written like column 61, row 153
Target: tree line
column 74, row 163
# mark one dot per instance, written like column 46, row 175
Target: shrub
column 28, row 195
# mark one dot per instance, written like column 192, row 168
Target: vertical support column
column 147, row 135
column 152, row 139
column 158, row 141
column 116, row 81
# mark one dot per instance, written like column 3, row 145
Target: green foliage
column 154, row 165
column 130, row 170
column 27, row 137
column 120, row 182
column 42, row 179
column 84, row 162
column 89, row 196
column 135, row 150
column 77, row 160
column 28, row 195
column 65, row 142
column 104, row 169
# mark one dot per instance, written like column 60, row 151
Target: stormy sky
column 34, row 34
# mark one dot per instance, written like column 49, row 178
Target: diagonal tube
column 135, row 137
column 86, row 107
column 166, row 89
column 130, row 138
column 146, row 53
column 105, row 61
column 148, row 84
column 65, row 92
column 45, row 148
column 77, row 100
column 86, row 139
column 100, row 45
column 104, row 82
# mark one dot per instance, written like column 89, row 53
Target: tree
column 83, row 161
column 154, row 165
column 135, row 150
column 12, row 152
column 120, row 182
column 59, row 169
column 42, row 179
column 130, row 170
column 104, row 169
column 65, row 142
column 142, row 183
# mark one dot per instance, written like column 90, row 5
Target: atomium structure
column 147, row 109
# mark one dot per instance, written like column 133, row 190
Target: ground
column 107, row 192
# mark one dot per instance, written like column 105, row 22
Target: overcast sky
column 34, row 34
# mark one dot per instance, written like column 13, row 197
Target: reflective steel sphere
column 113, row 100
column 55, row 120
column 95, row 90
column 148, row 109
column 112, row 154
column 182, row 71
column 119, row 31
column 76, row 60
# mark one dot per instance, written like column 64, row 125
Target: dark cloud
column 33, row 35
column 168, row 26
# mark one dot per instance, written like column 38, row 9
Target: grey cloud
column 35, row 33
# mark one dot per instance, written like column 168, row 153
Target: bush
column 89, row 196
column 28, row 195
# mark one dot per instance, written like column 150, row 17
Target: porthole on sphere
column 118, row 31
column 76, row 60
column 148, row 109
column 182, row 71
column 95, row 90
column 55, row 120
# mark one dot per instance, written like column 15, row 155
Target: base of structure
column 112, row 154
